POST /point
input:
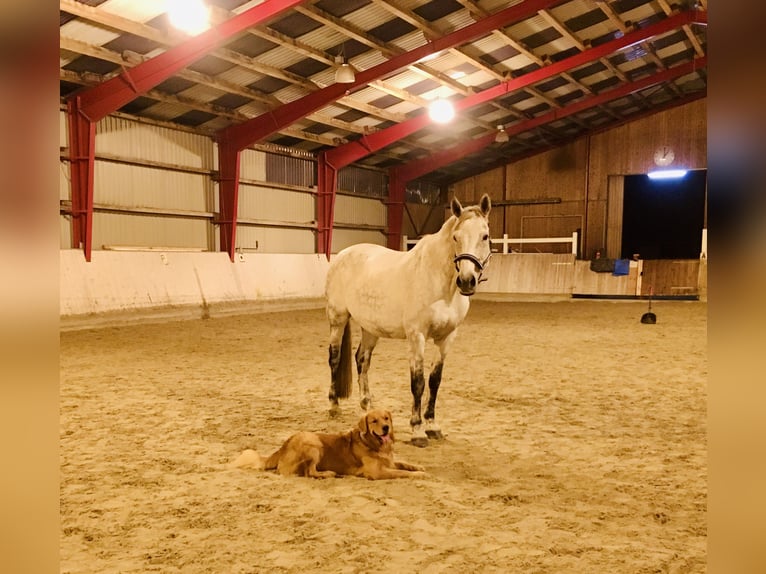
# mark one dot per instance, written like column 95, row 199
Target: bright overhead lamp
column 667, row 174
column 441, row 110
column 502, row 135
column 344, row 74
column 190, row 16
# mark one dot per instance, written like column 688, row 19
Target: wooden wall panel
column 491, row 183
column 420, row 219
column 671, row 277
column 532, row 273
column 587, row 282
column 614, row 204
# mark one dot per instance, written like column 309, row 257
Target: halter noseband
column 480, row 265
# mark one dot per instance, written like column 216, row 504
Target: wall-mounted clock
column 664, row 155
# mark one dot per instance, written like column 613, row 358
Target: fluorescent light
column 667, row 174
column 441, row 111
column 429, row 57
column 191, row 16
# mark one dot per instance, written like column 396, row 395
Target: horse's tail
column 345, row 369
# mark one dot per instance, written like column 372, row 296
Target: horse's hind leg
column 434, row 380
column 363, row 356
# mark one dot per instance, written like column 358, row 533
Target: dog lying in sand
column 366, row 451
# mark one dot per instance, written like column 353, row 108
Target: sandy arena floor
column 576, row 443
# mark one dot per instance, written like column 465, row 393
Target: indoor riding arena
column 212, row 183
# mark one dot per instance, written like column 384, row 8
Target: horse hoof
column 435, row 434
column 419, row 441
column 334, row 412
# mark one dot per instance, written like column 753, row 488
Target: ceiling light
column 502, row 135
column 191, row 16
column 441, row 111
column 345, row 73
column 667, row 174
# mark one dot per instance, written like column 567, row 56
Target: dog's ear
column 364, row 425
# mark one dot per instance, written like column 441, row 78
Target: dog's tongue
column 385, row 438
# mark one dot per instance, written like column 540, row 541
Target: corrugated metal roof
column 269, row 71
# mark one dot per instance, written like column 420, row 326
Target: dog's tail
column 272, row 462
column 345, row 378
column 249, row 459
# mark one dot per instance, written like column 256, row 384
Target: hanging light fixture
column 344, row 73
column 191, row 16
column 502, row 135
column 441, row 110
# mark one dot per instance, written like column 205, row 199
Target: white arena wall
column 120, row 286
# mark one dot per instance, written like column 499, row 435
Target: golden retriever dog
column 366, row 451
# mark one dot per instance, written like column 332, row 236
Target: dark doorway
column 663, row 219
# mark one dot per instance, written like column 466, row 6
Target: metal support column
column 395, row 205
column 82, row 154
column 327, row 182
column 228, row 196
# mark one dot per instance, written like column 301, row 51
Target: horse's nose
column 466, row 284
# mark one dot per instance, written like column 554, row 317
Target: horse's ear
column 485, row 204
column 457, row 209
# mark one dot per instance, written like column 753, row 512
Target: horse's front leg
column 417, row 343
column 434, row 380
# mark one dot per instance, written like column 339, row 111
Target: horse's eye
column 454, row 238
column 485, row 237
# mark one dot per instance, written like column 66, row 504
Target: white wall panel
column 275, row 239
column 63, row 130
column 274, row 204
column 65, row 232
column 342, row 238
column 359, row 210
column 252, row 165
column 65, row 189
column 134, row 140
column 137, row 186
column 117, row 229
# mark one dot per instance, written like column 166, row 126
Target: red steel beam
column 242, row 135
column 82, row 157
column 228, row 183
column 344, row 155
column 103, row 99
column 397, row 188
column 327, row 178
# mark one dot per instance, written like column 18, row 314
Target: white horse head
column 471, row 241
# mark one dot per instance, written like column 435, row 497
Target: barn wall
column 556, row 192
column 156, row 187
